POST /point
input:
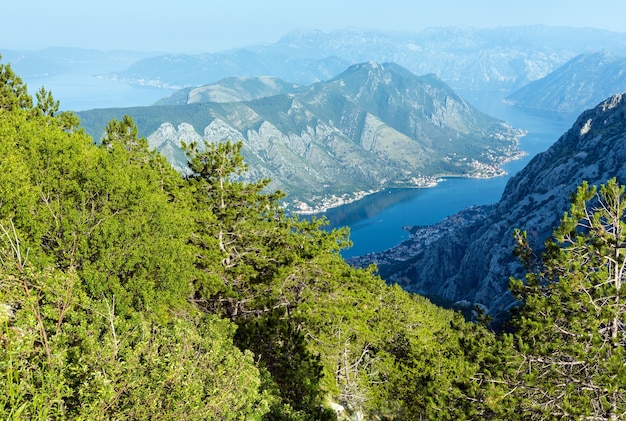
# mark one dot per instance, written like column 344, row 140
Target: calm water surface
column 376, row 221
column 82, row 89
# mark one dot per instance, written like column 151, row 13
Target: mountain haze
column 579, row 84
column 373, row 126
column 503, row 58
column 179, row 70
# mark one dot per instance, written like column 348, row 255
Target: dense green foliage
column 95, row 275
column 571, row 328
column 130, row 292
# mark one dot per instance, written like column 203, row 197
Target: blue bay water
column 376, row 221
column 82, row 89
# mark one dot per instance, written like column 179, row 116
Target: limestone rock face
column 168, row 140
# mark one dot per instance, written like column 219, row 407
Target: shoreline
column 331, row 202
column 483, row 171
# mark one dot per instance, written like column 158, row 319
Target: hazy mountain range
column 59, row 60
column 579, row 84
column 372, row 126
column 500, row 59
column 504, row 58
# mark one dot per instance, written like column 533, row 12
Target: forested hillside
column 130, row 292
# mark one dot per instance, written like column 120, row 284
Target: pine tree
column 571, row 327
column 13, row 91
column 46, row 104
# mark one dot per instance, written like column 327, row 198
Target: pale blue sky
column 208, row 26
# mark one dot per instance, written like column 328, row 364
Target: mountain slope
column 473, row 264
column 371, row 127
column 233, row 89
column 579, row 84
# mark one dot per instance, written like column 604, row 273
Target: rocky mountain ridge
column 472, row 264
column 371, row 127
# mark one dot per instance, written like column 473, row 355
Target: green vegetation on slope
column 129, row 292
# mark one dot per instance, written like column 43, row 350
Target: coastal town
column 322, row 204
column 489, row 168
column 328, row 202
column 420, row 237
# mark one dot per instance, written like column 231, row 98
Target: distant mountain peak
column 579, row 84
column 375, row 67
column 231, row 89
column 370, row 65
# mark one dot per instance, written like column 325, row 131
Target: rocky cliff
column 472, row 264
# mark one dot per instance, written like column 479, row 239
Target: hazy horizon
column 190, row 26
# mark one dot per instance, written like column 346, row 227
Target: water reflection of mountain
column 368, row 207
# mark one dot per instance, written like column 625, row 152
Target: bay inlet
column 376, row 222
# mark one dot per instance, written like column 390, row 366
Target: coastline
column 420, row 238
column 486, row 171
column 482, row 170
column 334, row 201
